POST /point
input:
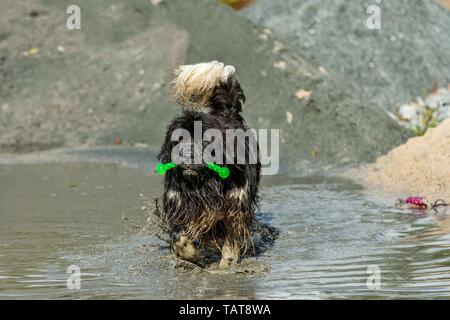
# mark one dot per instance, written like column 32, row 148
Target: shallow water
column 93, row 215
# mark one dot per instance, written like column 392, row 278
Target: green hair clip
column 223, row 172
column 161, row 168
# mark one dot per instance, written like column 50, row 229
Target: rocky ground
column 108, row 83
column 391, row 65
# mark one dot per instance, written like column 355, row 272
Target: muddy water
column 94, row 216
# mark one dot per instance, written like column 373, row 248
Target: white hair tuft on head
column 194, row 84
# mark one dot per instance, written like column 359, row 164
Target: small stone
column 277, row 47
column 302, row 94
column 267, row 31
column 289, row 117
column 263, row 37
column 31, row 52
column 281, row 65
column 322, row 70
column 141, row 145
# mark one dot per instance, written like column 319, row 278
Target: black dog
column 206, row 210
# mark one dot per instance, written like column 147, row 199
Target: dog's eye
column 180, row 139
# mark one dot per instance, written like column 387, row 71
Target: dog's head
column 194, row 84
column 193, row 140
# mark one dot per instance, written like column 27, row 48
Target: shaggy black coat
column 197, row 202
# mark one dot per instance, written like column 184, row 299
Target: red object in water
column 117, row 140
column 418, row 202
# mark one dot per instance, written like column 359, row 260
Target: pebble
column 281, row 65
column 289, row 117
column 302, row 94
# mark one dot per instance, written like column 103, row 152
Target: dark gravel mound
column 391, row 65
column 109, row 82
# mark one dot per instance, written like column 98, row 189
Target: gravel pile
column 389, row 66
column 109, row 83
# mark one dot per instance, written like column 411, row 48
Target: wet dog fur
column 204, row 211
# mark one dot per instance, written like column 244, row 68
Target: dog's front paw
column 186, row 249
column 230, row 255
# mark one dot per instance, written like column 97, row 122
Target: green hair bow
column 223, row 172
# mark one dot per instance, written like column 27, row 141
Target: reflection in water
column 53, row 216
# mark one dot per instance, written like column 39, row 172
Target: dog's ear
column 164, row 154
column 194, row 84
column 228, row 97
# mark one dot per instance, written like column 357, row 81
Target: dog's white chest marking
column 174, row 196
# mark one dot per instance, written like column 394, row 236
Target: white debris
column 423, row 113
column 408, row 112
column 277, row 47
column 141, row 145
column 289, row 117
column 322, row 70
column 282, row 65
column 302, row 94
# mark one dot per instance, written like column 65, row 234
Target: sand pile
column 419, row 167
